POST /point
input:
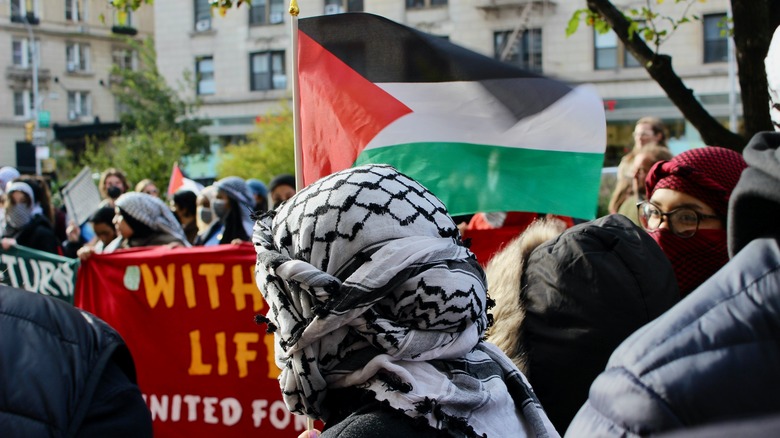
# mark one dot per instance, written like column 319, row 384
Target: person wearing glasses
column 686, row 211
column 708, row 366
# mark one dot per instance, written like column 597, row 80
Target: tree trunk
column 660, row 69
column 752, row 43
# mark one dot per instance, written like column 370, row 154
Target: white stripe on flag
column 465, row 112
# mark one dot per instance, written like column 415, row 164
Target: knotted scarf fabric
column 369, row 286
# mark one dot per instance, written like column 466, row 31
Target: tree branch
column 660, row 69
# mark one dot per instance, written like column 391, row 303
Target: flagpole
column 296, row 97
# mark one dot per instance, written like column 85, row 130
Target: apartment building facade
column 241, row 61
column 65, row 49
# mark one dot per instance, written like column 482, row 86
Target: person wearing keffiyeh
column 145, row 220
column 378, row 313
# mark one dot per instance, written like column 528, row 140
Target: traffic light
column 29, row 127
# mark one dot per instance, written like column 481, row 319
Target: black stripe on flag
column 381, row 50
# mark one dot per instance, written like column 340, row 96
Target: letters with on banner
column 187, row 314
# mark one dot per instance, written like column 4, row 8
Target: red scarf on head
column 709, row 174
column 695, row 258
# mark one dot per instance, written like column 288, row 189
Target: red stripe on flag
column 341, row 111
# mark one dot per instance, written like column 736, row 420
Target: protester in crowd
column 7, row 174
column 113, row 183
column 281, row 188
column 147, row 186
column 563, row 307
column 183, row 206
column 142, row 220
column 232, row 207
column 649, row 131
column 714, row 357
column 378, row 312
column 259, row 193
column 686, row 213
column 643, row 162
column 65, row 372
column 102, row 223
column 25, row 224
column 204, row 215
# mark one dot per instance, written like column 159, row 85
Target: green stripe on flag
column 471, row 178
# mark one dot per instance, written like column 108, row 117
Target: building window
column 421, row 4
column 125, row 59
column 79, row 104
column 202, row 15
column 609, row 52
column 339, row 6
column 23, row 107
column 525, row 51
column 204, row 72
column 22, row 52
column 22, row 10
column 267, row 71
column 77, row 57
column 74, row 10
column 715, row 41
column 266, row 12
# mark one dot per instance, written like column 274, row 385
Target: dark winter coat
column 39, row 234
column 64, row 372
column 584, row 293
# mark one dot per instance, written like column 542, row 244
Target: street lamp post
column 36, row 99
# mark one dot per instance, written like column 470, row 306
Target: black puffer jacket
column 64, row 373
column 715, row 356
column 584, row 293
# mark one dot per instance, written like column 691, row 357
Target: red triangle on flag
column 341, row 111
column 176, row 181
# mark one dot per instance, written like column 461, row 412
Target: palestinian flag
column 480, row 134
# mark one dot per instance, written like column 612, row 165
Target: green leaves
column 267, row 152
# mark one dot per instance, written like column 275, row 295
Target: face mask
column 114, row 192
column 220, row 208
column 204, row 214
column 694, row 259
column 18, row 216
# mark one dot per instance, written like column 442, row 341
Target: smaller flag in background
column 178, row 181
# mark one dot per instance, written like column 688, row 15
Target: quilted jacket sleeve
column 712, row 357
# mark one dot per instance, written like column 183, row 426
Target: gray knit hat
column 236, row 188
column 152, row 212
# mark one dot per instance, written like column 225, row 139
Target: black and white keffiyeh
column 152, row 212
column 369, row 286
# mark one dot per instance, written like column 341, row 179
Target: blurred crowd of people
column 217, row 214
column 663, row 316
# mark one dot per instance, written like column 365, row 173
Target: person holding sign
column 378, row 313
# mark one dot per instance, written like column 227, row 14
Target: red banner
column 205, row 368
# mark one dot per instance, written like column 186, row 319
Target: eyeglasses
column 683, row 222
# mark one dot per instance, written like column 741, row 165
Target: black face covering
column 114, row 192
